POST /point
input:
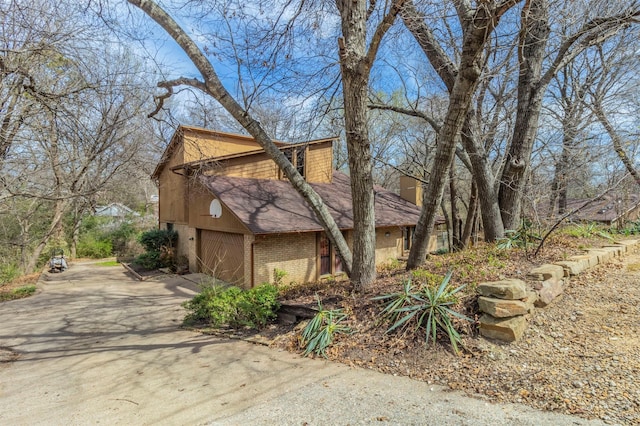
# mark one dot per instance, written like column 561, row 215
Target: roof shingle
column 273, row 206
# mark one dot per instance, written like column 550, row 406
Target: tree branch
column 593, row 31
column 410, row 112
column 381, row 30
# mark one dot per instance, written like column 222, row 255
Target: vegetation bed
column 578, row 356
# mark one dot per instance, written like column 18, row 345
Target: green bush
column 89, row 246
column 149, row 260
column 217, row 306
column 8, row 273
column 319, row 333
column 121, row 236
column 159, row 246
column 427, row 308
column 156, row 239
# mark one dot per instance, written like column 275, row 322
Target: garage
column 221, row 254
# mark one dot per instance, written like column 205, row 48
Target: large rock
column 549, row 291
column 507, row 330
column 572, row 267
column 590, row 259
column 617, row 250
column 604, row 256
column 501, row 308
column 629, row 245
column 511, row 289
column 546, row 272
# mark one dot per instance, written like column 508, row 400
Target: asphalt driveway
column 95, row 346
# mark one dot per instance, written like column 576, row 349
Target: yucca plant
column 319, row 333
column 430, row 307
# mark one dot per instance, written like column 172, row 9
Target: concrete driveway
column 95, row 346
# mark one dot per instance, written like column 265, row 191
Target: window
column 329, row 260
column 300, row 154
column 325, row 255
column 297, row 157
column 407, row 237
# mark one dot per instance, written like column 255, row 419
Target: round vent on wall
column 215, row 209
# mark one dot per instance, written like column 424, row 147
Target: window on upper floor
column 297, row 157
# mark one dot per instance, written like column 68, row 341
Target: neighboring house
column 613, row 209
column 238, row 218
column 115, row 210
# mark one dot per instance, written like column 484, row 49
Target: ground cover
column 578, row 356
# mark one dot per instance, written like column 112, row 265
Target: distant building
column 612, row 209
column 116, row 211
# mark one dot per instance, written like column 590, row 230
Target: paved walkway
column 96, row 346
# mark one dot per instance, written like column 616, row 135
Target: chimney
column 411, row 190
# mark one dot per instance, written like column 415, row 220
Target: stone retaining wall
column 507, row 305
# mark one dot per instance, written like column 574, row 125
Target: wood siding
column 222, row 255
column 319, row 163
column 200, row 146
column 172, row 189
column 199, row 217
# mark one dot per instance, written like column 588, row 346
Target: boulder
column 511, row 289
column 505, row 329
column 572, row 267
column 501, row 308
column 590, row 259
column 604, row 256
column 629, row 245
column 549, row 291
column 617, row 250
column 546, row 272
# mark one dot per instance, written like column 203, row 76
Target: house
column 115, row 210
column 239, row 219
column 611, row 209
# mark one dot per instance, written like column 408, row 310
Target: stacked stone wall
column 507, row 305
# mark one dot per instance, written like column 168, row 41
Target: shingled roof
column 268, row 206
column 607, row 209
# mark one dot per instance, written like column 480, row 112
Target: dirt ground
column 578, row 356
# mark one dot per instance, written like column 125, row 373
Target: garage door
column 222, row 255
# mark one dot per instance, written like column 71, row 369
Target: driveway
column 95, row 346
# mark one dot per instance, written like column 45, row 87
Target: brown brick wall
column 294, row 253
column 390, row 247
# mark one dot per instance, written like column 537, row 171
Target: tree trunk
column 471, row 214
column 355, row 85
column 478, row 29
column 456, row 237
column 484, row 181
column 559, row 184
column 533, row 40
column 616, row 140
column 54, row 226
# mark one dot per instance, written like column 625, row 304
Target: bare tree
column 599, row 21
column 461, row 79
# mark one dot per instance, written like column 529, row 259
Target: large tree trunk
column 534, row 34
column 559, row 184
column 54, row 227
column 459, row 102
column 471, row 215
column 355, row 85
column 456, row 222
column 477, row 27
